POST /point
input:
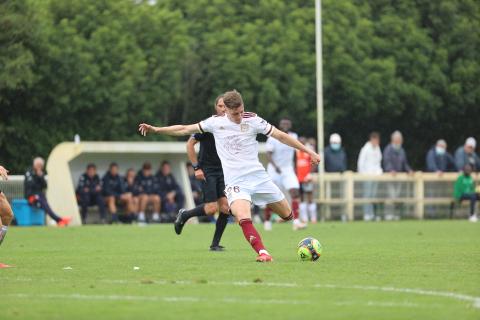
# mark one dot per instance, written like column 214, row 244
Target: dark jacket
column 439, row 162
column 395, row 160
column 335, row 160
column 146, row 185
column 167, row 184
column 91, row 184
column 34, row 184
column 132, row 188
column 461, row 159
column 112, row 185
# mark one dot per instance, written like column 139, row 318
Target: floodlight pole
column 320, row 133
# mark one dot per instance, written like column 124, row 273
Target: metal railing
column 420, row 195
column 13, row 188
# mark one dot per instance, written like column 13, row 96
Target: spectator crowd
column 393, row 160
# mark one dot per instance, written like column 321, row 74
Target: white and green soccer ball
column 309, row 249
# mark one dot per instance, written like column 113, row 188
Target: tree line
column 99, row 67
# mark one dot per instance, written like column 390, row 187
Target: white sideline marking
column 379, row 304
column 76, row 296
column 423, row 292
column 445, row 294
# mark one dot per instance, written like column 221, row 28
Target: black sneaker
column 179, row 223
column 217, row 248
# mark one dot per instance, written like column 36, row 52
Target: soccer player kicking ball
column 6, row 214
column 209, row 170
column 245, row 177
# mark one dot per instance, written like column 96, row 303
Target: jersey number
column 235, row 189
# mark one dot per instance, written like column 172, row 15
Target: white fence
column 419, row 195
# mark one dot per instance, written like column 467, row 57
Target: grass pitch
column 399, row 270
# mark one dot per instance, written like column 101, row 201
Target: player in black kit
column 208, row 169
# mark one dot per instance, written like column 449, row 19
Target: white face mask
column 440, row 150
column 396, row 146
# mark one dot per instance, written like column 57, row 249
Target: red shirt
column 303, row 165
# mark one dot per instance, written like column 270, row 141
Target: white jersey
column 282, row 154
column 237, row 146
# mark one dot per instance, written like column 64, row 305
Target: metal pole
column 320, row 134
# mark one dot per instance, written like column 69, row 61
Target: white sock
column 303, row 209
column 141, row 216
column 312, row 211
column 156, row 216
column 263, row 251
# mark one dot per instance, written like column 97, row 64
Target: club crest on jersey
column 244, row 127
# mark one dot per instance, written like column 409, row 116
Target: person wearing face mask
column 438, row 159
column 395, row 160
column 335, row 156
column 466, row 155
column 464, row 189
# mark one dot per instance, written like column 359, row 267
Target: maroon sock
column 251, row 235
column 295, row 206
column 268, row 214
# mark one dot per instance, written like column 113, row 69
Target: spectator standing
column 335, row 156
column 395, row 160
column 35, row 186
column 89, row 192
column 370, row 162
column 169, row 190
column 114, row 191
column 466, row 155
column 308, row 207
column 438, row 159
column 464, row 189
column 147, row 185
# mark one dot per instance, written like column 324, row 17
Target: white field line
column 77, row 296
column 424, row 292
column 386, row 304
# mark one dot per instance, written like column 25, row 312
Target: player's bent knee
column 225, row 209
column 211, row 208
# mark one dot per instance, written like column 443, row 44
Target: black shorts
column 213, row 186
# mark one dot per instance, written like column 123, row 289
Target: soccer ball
column 309, row 249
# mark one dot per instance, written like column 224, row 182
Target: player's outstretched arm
column 177, row 130
column 294, row 143
column 3, row 173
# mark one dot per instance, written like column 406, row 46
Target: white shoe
column 473, row 218
column 298, row 225
column 141, row 217
column 156, row 217
column 267, row 225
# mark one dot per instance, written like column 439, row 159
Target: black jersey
column 207, row 157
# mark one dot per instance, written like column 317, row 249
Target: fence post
column 419, row 195
column 328, row 196
column 349, row 194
